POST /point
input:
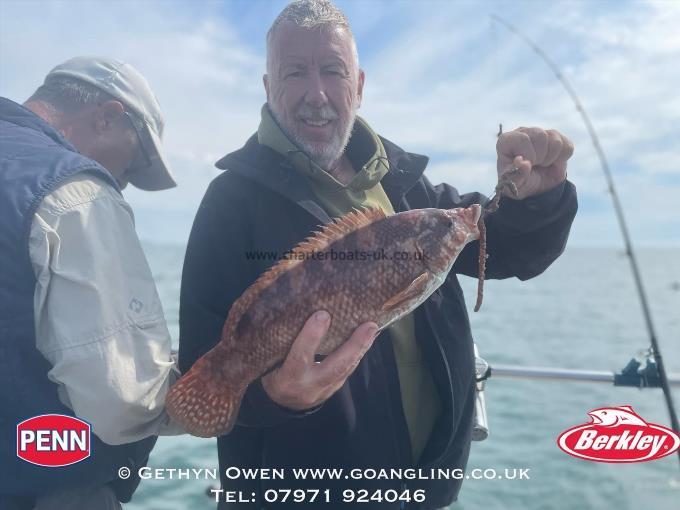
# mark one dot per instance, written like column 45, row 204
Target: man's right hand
column 300, row 383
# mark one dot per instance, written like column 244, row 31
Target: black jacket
column 262, row 205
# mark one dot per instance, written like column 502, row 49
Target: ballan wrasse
column 362, row 267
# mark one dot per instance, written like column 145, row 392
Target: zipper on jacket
column 448, row 374
column 402, row 439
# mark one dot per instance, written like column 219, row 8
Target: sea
column 582, row 313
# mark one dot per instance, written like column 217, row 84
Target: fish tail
column 203, row 406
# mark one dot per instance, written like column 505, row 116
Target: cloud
column 621, row 62
column 655, row 161
column 207, row 81
column 440, row 78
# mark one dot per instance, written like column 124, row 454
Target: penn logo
column 618, row 434
column 53, row 440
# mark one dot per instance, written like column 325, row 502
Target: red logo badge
column 53, row 440
column 618, row 434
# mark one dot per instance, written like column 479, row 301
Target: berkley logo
column 53, row 440
column 618, row 434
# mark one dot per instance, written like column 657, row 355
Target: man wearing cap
column 82, row 332
column 407, row 399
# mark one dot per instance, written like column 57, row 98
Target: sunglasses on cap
column 141, row 160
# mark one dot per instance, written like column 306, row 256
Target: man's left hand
column 540, row 157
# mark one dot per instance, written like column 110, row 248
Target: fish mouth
column 476, row 211
column 466, row 220
column 470, row 216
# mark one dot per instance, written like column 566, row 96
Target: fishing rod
column 659, row 366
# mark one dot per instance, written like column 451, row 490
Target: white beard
column 325, row 155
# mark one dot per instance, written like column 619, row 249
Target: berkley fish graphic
column 354, row 289
column 612, row 416
column 618, row 434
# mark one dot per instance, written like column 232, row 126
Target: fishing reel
column 638, row 375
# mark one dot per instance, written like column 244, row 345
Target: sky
column 440, row 77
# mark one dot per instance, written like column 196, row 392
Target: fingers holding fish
column 338, row 366
column 305, row 346
column 300, row 383
column 293, row 385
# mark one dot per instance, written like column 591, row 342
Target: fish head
column 443, row 233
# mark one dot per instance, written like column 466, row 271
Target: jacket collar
column 19, row 115
column 270, row 169
column 365, row 151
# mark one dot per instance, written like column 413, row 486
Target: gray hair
column 310, row 14
column 67, row 95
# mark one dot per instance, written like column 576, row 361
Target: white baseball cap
column 125, row 83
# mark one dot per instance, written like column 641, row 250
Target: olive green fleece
column 419, row 396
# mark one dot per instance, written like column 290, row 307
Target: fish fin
column 627, row 408
column 318, row 241
column 202, row 402
column 333, row 231
column 415, row 288
column 339, row 228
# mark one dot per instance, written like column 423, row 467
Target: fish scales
column 362, row 267
column 354, row 290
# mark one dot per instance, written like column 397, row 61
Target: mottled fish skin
column 364, row 286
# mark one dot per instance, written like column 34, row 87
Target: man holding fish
column 406, row 400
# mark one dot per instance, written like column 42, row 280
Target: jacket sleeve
column 216, row 272
column 99, row 320
column 523, row 236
